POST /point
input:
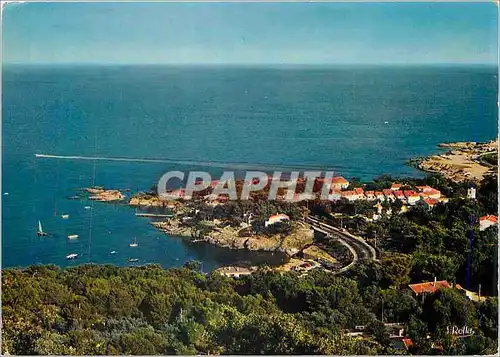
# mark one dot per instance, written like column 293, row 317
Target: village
column 298, row 241
column 338, row 190
column 397, row 331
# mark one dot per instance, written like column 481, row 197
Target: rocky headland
column 462, row 163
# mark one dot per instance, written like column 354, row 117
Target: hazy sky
column 250, row 33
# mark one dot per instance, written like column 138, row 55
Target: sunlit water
column 362, row 122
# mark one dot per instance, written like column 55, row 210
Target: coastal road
column 356, row 245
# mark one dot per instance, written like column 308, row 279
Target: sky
column 250, row 33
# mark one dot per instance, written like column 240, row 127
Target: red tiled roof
column 423, row 188
column 429, row 287
column 339, row 179
column 410, row 193
column 179, row 193
column 398, row 194
column 431, row 201
column 378, row 193
column 388, row 192
column 278, row 216
column 407, row 342
column 432, row 191
column 395, row 186
column 359, row 190
column 427, row 189
column 490, row 218
column 214, row 183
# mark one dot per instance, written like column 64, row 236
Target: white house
column 379, row 195
column 487, row 221
column 471, row 193
column 370, row 195
column 400, row 196
column 396, row 186
column 339, row 183
column 352, row 195
column 411, row 196
column 389, row 195
column 430, row 192
column 276, row 218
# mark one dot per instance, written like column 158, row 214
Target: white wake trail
column 223, row 165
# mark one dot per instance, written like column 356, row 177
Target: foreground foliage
column 101, row 309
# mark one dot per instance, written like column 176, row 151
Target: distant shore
column 462, row 163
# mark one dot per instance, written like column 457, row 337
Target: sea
column 359, row 121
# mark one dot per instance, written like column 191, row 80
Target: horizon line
column 271, row 64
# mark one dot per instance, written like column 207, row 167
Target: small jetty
column 154, row 215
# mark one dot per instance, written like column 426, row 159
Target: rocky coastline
column 461, row 163
column 103, row 195
column 232, row 238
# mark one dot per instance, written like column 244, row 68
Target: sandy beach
column 462, row 162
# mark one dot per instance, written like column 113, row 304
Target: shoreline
column 228, row 237
column 460, row 163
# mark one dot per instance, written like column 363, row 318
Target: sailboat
column 73, row 236
column 40, row 231
column 133, row 244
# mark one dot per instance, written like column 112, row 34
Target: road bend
column 356, row 245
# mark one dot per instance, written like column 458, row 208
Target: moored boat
column 40, row 231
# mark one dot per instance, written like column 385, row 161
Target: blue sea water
column 360, row 121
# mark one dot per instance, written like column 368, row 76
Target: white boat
column 40, row 231
column 113, row 252
column 87, row 207
column 73, row 236
column 5, row 193
column 65, row 216
column 72, row 256
column 133, row 244
column 133, row 260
